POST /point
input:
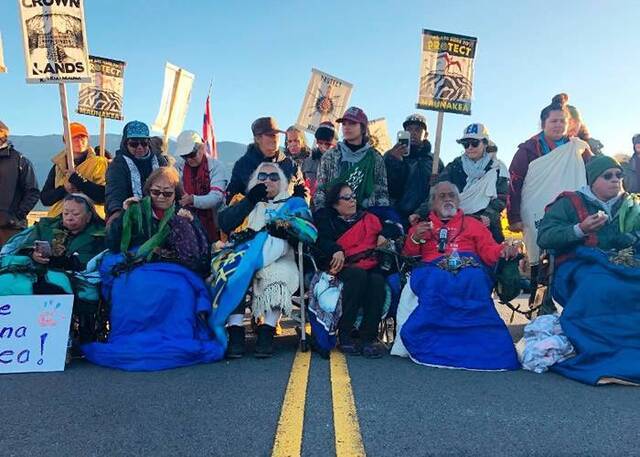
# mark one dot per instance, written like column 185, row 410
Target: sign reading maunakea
column 446, row 72
column 103, row 96
column 55, row 41
column 326, row 99
column 34, row 330
column 3, row 68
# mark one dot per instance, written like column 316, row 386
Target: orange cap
column 77, row 129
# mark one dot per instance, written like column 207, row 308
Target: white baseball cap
column 187, row 142
column 475, row 131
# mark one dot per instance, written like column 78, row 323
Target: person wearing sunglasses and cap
column 595, row 281
column 264, row 149
column 129, row 170
column 204, row 180
column 631, row 167
column 481, row 179
column 274, row 277
column 88, row 176
column 354, row 161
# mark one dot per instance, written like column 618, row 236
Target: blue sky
column 260, row 54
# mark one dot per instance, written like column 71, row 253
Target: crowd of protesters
column 173, row 237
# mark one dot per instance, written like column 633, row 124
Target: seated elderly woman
column 595, row 234
column 347, row 239
column 153, row 283
column 446, row 316
column 43, row 259
column 259, row 255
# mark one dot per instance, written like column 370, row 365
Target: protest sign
column 3, row 68
column 446, row 72
column 379, row 135
column 55, row 41
column 326, row 99
column 103, row 96
column 176, row 95
column 34, row 330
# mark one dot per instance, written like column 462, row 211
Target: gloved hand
column 257, row 193
column 299, row 190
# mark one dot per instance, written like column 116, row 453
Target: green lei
column 136, row 218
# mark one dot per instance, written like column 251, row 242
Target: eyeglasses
column 192, row 154
column 136, row 143
column 164, row 193
column 347, row 197
column 275, row 177
column 470, row 143
column 609, row 175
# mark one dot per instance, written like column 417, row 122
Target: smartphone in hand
column 43, row 248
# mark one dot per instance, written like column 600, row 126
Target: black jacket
column 233, row 216
column 247, row 164
column 51, row 194
column 409, row 179
column 18, row 188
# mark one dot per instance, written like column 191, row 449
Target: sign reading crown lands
column 446, row 72
column 326, row 99
column 55, row 41
column 103, row 96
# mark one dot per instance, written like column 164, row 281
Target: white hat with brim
column 475, row 131
column 187, row 142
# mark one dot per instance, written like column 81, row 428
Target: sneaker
column 373, row 349
column 348, row 346
column 264, row 343
column 235, row 350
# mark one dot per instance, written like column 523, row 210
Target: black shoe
column 235, row 350
column 347, row 345
column 264, row 343
column 373, row 349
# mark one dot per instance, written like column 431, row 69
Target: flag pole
column 103, row 136
column 174, row 93
column 66, row 126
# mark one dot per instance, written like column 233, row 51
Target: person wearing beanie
column 354, row 161
column 88, row 176
column 409, row 167
column 595, row 281
column 632, row 167
column 325, row 136
column 129, row 170
column 19, row 191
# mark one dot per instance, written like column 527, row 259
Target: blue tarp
column 456, row 323
column 601, row 317
column 154, row 318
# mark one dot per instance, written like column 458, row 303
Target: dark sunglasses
column 136, row 143
column 609, row 175
column 191, row 155
column 275, row 177
column 348, row 197
column 473, row 143
column 165, row 194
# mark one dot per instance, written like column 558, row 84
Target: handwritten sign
column 34, row 330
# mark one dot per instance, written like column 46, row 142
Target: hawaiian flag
column 208, row 135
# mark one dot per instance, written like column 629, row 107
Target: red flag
column 208, row 135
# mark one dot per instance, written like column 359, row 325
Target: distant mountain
column 40, row 150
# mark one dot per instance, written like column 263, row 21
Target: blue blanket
column 455, row 323
column 154, row 318
column 601, row 317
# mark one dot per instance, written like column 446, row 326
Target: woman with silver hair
column 260, row 227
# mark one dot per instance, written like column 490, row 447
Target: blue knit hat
column 136, row 129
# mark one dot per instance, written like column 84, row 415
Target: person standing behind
column 325, row 139
column 631, row 168
column 204, row 180
column 131, row 167
column 88, row 178
column 18, row 188
column 354, row 162
column 409, row 168
column 263, row 149
column 296, row 145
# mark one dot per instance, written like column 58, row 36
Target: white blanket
column 408, row 302
column 478, row 195
column 560, row 170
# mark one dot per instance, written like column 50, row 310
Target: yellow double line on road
column 348, row 440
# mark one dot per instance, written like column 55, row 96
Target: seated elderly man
column 593, row 233
column 446, row 316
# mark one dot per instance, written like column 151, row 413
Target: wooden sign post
column 68, row 147
column 103, row 136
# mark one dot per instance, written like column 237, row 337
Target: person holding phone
column 409, row 165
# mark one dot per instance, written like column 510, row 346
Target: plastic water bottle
column 454, row 260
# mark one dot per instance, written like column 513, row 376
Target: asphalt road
column 232, row 409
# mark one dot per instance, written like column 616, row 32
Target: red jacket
column 465, row 232
column 361, row 237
